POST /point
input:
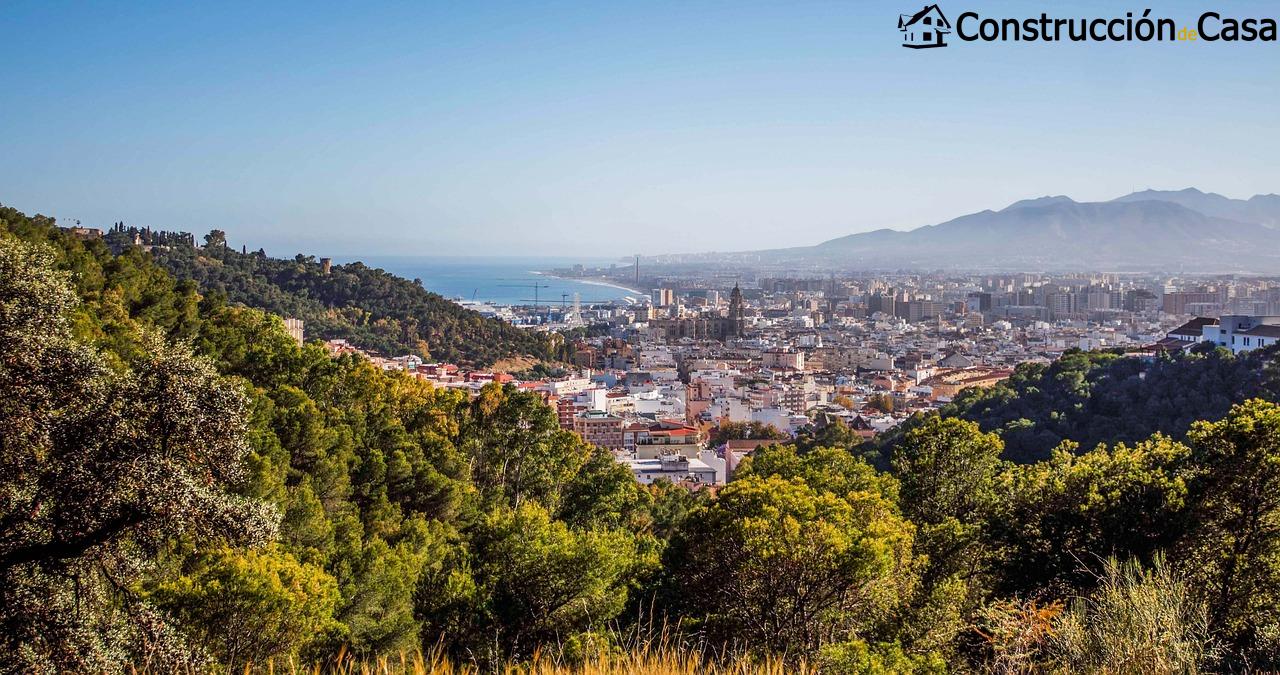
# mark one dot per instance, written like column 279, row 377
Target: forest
column 371, row 308
column 1102, row 397
column 183, row 487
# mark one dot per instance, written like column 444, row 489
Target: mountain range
column 1185, row 230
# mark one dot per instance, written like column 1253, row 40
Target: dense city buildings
column 655, row 377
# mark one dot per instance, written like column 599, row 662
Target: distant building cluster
column 659, row 376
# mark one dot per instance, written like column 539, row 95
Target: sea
column 500, row 280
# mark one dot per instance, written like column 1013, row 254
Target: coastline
column 592, row 281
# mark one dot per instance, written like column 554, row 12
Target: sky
column 601, row 128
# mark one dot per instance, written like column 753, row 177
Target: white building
column 674, row 468
column 1237, row 332
column 1243, row 333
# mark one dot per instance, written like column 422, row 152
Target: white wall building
column 672, row 467
column 1243, row 333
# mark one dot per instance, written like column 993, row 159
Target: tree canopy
column 1102, row 397
column 366, row 306
column 183, row 486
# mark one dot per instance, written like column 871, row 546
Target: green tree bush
column 100, row 470
column 787, row 563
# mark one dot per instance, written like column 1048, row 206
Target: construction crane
column 565, row 304
column 535, row 288
column 564, row 301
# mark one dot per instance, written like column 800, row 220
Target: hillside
column 1089, row 398
column 185, row 487
column 1187, row 230
column 371, row 308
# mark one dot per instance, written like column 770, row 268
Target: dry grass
column 517, row 364
column 1138, row 621
column 657, row 662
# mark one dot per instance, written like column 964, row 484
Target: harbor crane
column 535, row 288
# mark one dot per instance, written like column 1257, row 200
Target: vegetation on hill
column 379, row 513
column 183, row 486
column 371, row 308
column 1104, row 397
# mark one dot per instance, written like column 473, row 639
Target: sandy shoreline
column 592, row 281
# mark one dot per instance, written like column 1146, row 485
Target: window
column 928, row 35
column 928, row 21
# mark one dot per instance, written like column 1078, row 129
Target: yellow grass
column 658, row 662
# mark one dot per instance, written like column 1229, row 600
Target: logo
column 928, row 28
column 924, row 29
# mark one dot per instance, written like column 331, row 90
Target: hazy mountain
column 1260, row 209
column 1129, row 233
column 1040, row 201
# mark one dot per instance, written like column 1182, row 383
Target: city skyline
column 508, row 130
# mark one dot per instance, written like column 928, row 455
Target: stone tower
column 735, row 310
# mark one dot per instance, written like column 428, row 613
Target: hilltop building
column 1239, row 333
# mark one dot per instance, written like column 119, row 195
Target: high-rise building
column 921, row 310
column 1181, row 302
column 884, row 303
column 1099, row 300
column 663, row 297
column 1061, row 304
column 979, row 302
column 1141, row 300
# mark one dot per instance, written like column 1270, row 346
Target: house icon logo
column 924, row 29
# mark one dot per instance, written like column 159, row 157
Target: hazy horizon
column 552, row 259
column 600, row 131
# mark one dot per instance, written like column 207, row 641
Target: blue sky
column 600, row 128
